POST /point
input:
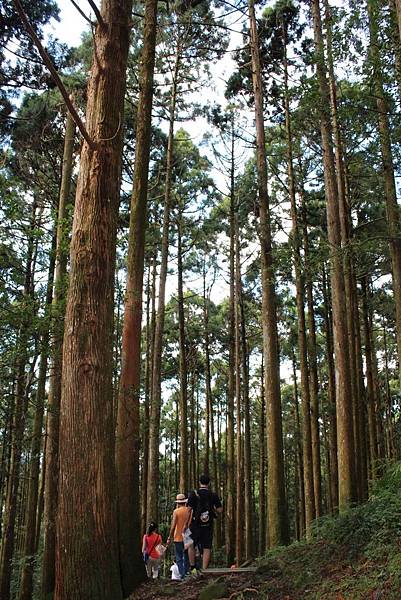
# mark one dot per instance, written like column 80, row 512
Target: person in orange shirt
column 179, row 523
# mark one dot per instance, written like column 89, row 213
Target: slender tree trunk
column 128, row 436
column 230, row 518
column 183, row 416
column 398, row 9
column 392, row 208
column 345, row 239
column 87, row 561
column 331, row 396
column 277, row 510
column 30, row 548
column 19, row 408
column 239, row 518
column 248, row 501
column 57, row 327
column 262, row 470
column 154, row 425
column 312, row 356
column 345, row 445
column 361, row 396
column 299, row 454
column 300, row 299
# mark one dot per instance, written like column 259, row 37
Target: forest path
column 217, row 583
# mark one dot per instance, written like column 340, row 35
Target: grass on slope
column 354, row 556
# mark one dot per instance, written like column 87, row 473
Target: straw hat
column 180, row 499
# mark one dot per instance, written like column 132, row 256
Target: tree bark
column 230, row 519
column 128, row 435
column 30, row 547
column 392, row 208
column 154, row 425
column 300, row 300
column 183, row 402
column 262, row 470
column 53, row 412
column 277, row 508
column 19, row 408
column 87, row 562
column 345, row 445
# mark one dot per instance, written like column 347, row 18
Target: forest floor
column 354, row 556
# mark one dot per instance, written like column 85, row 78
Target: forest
column 200, row 272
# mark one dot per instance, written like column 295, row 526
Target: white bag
column 186, row 538
column 161, row 550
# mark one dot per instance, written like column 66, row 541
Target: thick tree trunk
column 154, row 425
column 277, row 507
column 57, row 326
column 345, row 445
column 128, row 436
column 87, row 563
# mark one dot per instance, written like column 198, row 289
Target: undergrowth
column 352, row 556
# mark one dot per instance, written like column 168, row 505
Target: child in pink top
column 150, row 541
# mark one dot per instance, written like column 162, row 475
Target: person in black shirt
column 205, row 505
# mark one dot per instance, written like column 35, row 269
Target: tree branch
column 81, row 12
column 97, row 13
column 47, row 61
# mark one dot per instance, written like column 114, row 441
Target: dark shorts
column 202, row 536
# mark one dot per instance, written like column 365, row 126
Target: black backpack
column 203, row 513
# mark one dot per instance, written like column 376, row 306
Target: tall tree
column 345, row 445
column 277, row 514
column 87, row 544
column 127, row 446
